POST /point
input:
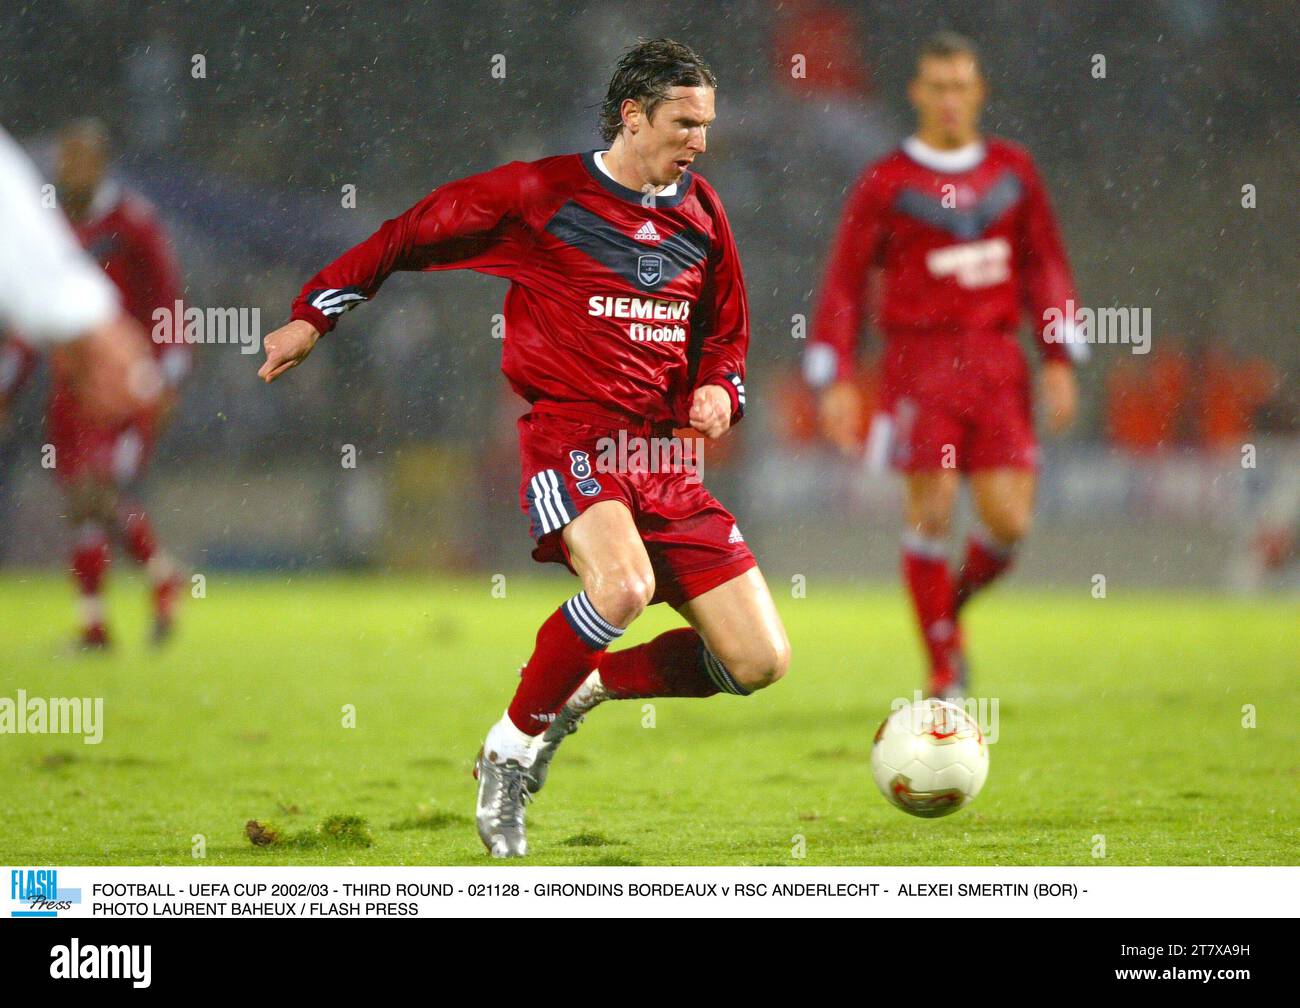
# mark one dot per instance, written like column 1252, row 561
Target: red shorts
column 83, row 451
column 693, row 541
column 957, row 402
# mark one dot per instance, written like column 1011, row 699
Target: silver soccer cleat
column 502, row 795
column 960, row 688
column 957, row 689
column 584, row 698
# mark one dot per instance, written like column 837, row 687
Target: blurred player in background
column 17, row 362
column 626, row 316
column 960, row 227
column 53, row 295
column 95, row 462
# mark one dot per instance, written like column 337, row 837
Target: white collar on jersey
column 107, row 196
column 668, row 190
column 959, row 160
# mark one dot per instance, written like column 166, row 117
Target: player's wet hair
column 646, row 73
column 948, row 43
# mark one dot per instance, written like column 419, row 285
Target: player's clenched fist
column 286, row 348
column 111, row 371
column 1060, row 396
column 840, row 413
column 711, row 410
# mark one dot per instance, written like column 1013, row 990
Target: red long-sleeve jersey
column 123, row 233
column 625, row 300
column 962, row 251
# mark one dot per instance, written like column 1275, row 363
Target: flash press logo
column 37, row 891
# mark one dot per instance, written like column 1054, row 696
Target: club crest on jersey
column 649, row 269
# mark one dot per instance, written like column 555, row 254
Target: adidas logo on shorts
column 735, row 536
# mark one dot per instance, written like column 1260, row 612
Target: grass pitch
column 1120, row 717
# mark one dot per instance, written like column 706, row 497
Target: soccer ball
column 929, row 758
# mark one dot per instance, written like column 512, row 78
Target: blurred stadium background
column 248, row 164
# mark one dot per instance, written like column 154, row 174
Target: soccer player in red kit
column 960, row 228
column 626, row 316
column 96, row 464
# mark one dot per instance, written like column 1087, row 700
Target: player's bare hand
column 286, row 348
column 840, row 413
column 111, row 371
column 1060, row 394
column 711, row 410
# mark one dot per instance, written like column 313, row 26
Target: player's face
column 80, row 171
column 666, row 145
column 948, row 94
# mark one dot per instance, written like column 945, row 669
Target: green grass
column 1120, row 717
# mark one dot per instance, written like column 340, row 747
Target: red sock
column 569, row 645
column 137, row 536
column 90, row 558
column 670, row 665
column 926, row 571
column 164, row 597
column 983, row 564
column 137, row 533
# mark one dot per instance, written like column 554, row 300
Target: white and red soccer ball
column 929, row 758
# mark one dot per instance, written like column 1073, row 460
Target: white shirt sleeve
column 51, row 292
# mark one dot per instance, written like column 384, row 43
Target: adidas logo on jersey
column 735, row 536
column 647, row 233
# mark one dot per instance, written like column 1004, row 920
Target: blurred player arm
column 17, row 362
column 159, row 281
column 1047, row 292
column 60, row 300
column 454, row 222
column 841, row 313
column 718, row 398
